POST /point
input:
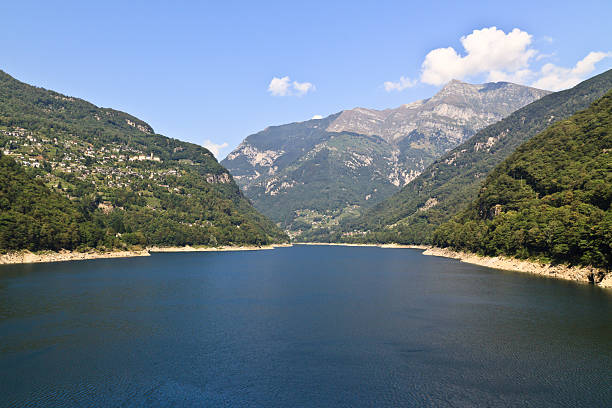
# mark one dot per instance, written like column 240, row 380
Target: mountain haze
column 320, row 171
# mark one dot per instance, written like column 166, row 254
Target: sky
column 213, row 73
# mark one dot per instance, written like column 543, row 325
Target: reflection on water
column 301, row 326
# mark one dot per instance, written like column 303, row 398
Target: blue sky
column 205, row 71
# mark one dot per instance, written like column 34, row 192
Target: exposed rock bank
column 215, row 249
column 50, row 256
column 24, row 257
column 575, row 273
column 398, row 246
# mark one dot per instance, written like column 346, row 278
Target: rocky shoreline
column 215, row 249
column 591, row 275
column 397, row 246
column 26, row 257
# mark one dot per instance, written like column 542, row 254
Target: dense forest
column 34, row 217
column 448, row 185
column 100, row 178
column 550, row 199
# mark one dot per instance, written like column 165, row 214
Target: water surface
column 303, row 326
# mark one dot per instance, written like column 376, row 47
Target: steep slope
column 452, row 181
column 319, row 171
column 140, row 187
column 551, row 198
column 34, row 217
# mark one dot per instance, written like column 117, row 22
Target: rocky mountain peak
column 457, row 103
column 454, row 83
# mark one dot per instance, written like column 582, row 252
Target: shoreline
column 580, row 274
column 27, row 257
column 392, row 246
column 189, row 248
column 589, row 275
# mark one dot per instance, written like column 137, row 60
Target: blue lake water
column 308, row 326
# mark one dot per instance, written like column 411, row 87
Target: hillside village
column 70, row 162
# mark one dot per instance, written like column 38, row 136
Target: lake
column 314, row 326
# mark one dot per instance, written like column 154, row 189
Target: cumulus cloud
column 317, row 117
column 214, row 148
column 284, row 87
column 279, row 86
column 400, row 85
column 302, row 88
column 556, row 78
column 486, row 50
column 551, row 76
column 491, row 54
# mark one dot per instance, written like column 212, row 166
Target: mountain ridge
column 476, row 99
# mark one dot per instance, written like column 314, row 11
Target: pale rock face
column 358, row 160
column 490, row 142
column 454, row 112
column 457, row 104
column 138, row 126
column 275, row 186
column 255, row 156
column 431, row 202
column 222, row 178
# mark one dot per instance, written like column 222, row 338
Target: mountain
column 453, row 181
column 322, row 170
column 444, row 120
column 113, row 176
column 550, row 199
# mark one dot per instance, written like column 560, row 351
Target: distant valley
column 309, row 176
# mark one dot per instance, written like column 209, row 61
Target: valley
column 335, row 167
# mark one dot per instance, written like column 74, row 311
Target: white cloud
column 284, row 87
column 214, row 148
column 279, row 86
column 400, row 85
column 491, row 54
column 302, row 88
column 544, row 56
column 556, row 78
column 487, row 50
column 317, row 117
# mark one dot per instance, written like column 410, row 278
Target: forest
column 549, row 200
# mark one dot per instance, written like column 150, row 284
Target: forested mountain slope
column 136, row 186
column 550, row 199
column 315, row 173
column 451, row 182
column 33, row 217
